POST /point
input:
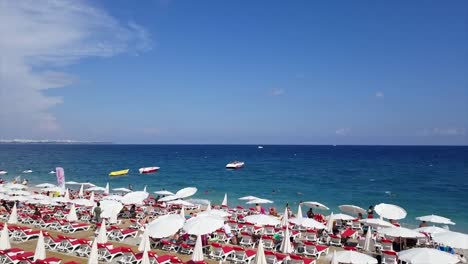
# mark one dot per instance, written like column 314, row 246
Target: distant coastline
column 49, row 141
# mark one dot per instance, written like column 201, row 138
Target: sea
column 422, row 179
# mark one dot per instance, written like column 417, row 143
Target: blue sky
column 260, row 72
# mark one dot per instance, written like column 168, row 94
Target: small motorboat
column 148, row 170
column 119, row 172
column 2, row 172
column 260, row 147
column 27, row 171
column 235, row 165
column 52, row 172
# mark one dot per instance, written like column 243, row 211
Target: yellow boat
column 119, row 173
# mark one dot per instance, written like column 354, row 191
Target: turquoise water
column 423, row 180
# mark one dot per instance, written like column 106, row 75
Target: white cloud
column 277, row 92
column 379, row 94
column 342, row 131
column 40, row 37
column 444, row 132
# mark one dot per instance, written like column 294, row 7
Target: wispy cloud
column 444, row 132
column 276, row 92
column 379, row 94
column 343, row 131
column 39, row 37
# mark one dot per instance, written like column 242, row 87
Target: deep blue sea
column 421, row 179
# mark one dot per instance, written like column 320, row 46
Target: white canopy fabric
column 4, row 238
column 83, row 202
column 13, row 219
column 198, row 250
column 368, row 240
column 182, row 212
column 307, row 222
column 40, row 252
column 261, row 219
column 117, row 198
column 452, row 239
column 67, row 195
column 46, row 185
column 344, row 217
column 400, row 232
column 285, row 219
column 334, row 259
column 299, row 211
column 180, row 202
column 15, row 186
column 137, row 197
column 351, row 257
column 249, row 198
column 426, row 256
column 91, row 197
column 19, row 192
column 18, row 198
column 286, row 246
column 202, row 225
column 186, row 192
column 215, row 212
column 352, row 209
column 145, row 258
column 259, row 201
column 390, row 211
column 168, row 198
column 376, row 222
column 224, row 202
column 436, row 219
column 81, row 192
column 316, row 205
column 145, row 241
column 72, row 183
column 164, row 192
column 260, row 257
column 166, row 225
column 122, row 190
column 72, row 217
column 331, row 219
column 431, row 230
column 96, row 189
column 110, row 209
column 102, row 235
column 93, row 255
column 106, row 191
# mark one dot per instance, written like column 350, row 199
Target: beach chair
column 386, row 244
column 356, row 225
column 296, row 259
column 220, row 252
column 335, row 240
column 246, row 240
column 164, row 259
column 107, row 252
column 235, row 227
column 50, row 260
column 22, row 235
column 311, row 235
column 75, row 227
column 222, row 236
column 185, row 248
column 268, row 242
column 168, row 245
column 10, row 252
column 389, row 257
column 242, row 255
column 129, row 257
column 83, row 250
column 269, row 230
column 270, row 257
column 122, row 234
column 17, row 258
column 68, row 244
column 312, row 249
column 349, row 233
column 50, row 242
column 252, row 229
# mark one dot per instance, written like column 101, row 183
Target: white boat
column 27, row 171
column 52, row 172
column 260, row 147
column 2, row 172
column 235, row 165
column 148, row 170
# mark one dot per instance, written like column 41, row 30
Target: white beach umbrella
column 286, row 246
column 144, row 189
column 376, row 222
column 93, row 255
column 83, row 202
column 431, row 230
column 285, row 219
column 260, row 257
column 215, row 212
column 164, row 192
column 91, row 197
column 400, row 232
column 72, row 217
column 316, row 205
column 4, row 238
column 106, row 189
column 352, row 209
column 452, row 239
column 88, row 184
column 202, row 225
column 118, row 198
column 18, row 198
column 165, row 226
column 186, row 192
column 390, row 211
column 96, row 189
column 436, row 219
column 137, row 197
column 208, row 207
column 102, row 235
column 224, row 202
column 343, row 217
column 331, row 219
column 54, row 189
column 13, row 219
column 426, row 256
column 307, row 222
column 299, row 211
column 334, row 258
column 72, row 183
column 110, row 209
column 67, row 194
column 81, row 192
column 248, row 198
column 122, row 190
column 60, row 200
column 145, row 258
column 180, row 202
column 168, row 198
column 182, row 212
column 368, row 240
column 19, row 193
column 199, row 201
column 259, row 201
column 261, row 219
column 46, row 185
column 15, row 186
column 198, row 250
column 144, row 241
column 40, row 252
column 351, row 257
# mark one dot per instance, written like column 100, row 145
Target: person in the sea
column 310, row 213
column 370, row 212
column 25, row 182
column 422, row 224
column 97, row 213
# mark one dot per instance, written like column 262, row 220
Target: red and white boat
column 148, row 170
column 235, row 165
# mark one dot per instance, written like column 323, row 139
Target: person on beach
column 133, row 211
column 97, row 213
column 310, row 213
column 423, row 224
column 258, row 208
column 229, row 234
column 359, row 216
column 370, row 212
column 37, row 213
